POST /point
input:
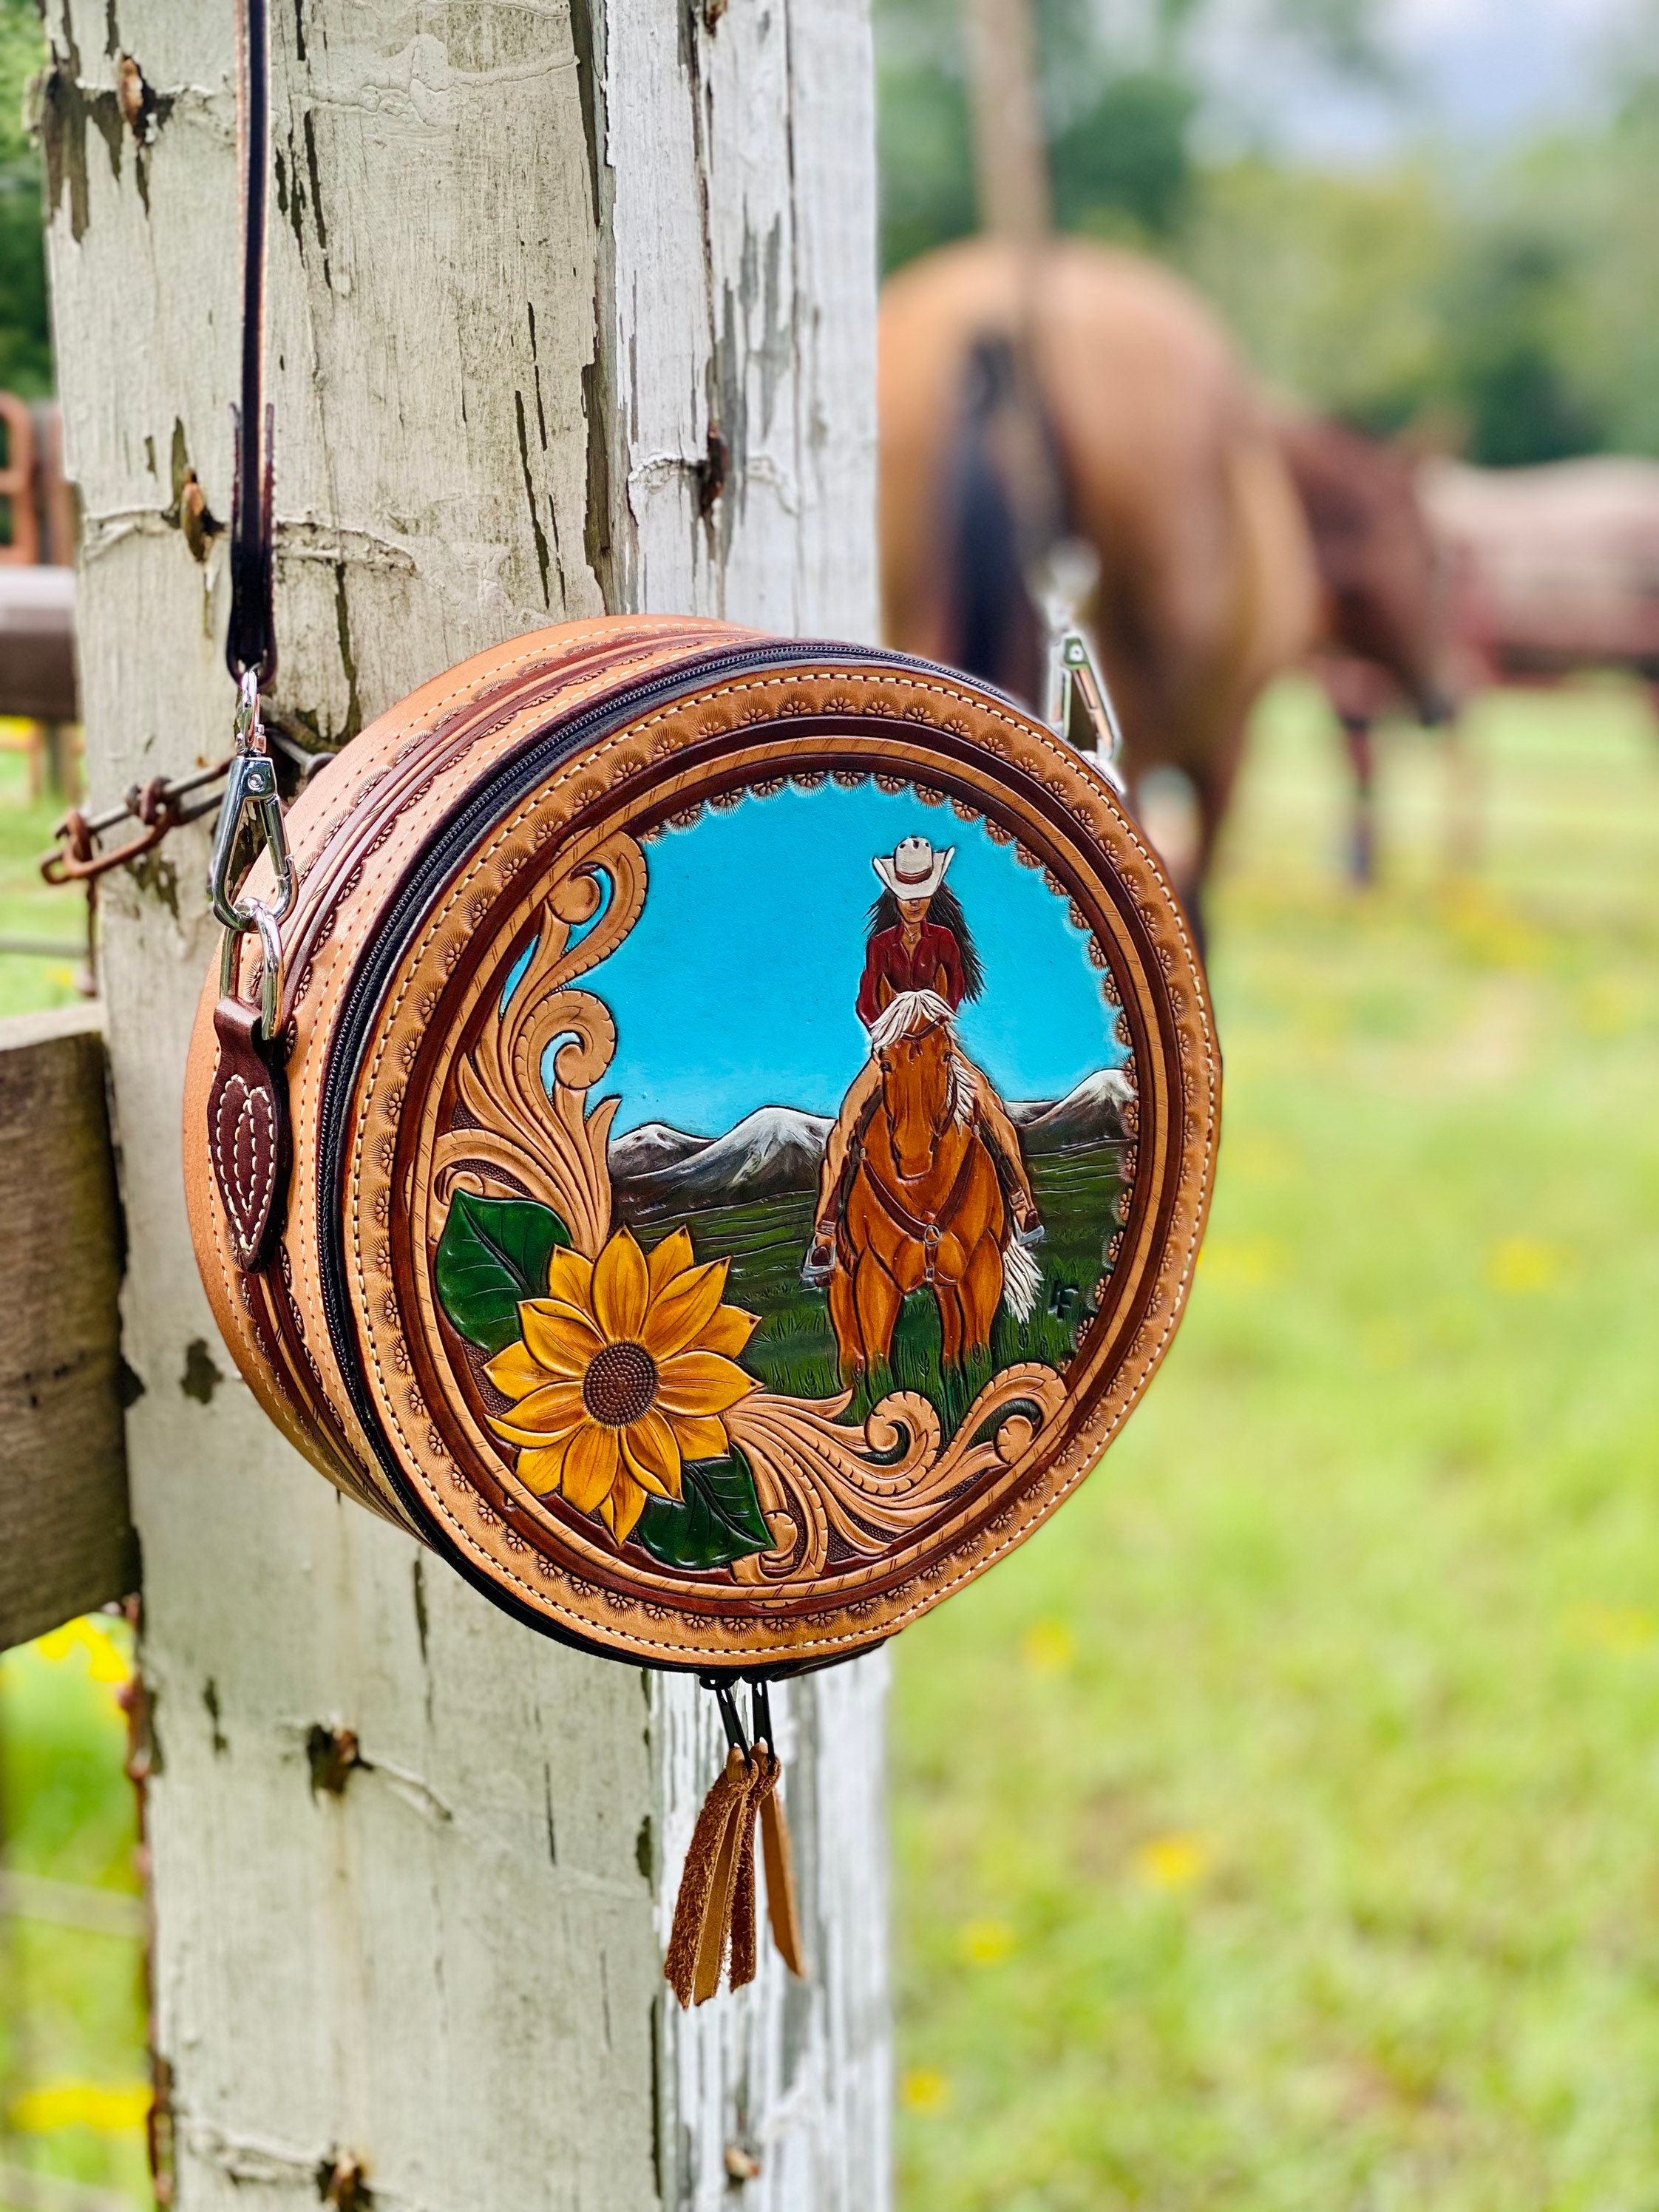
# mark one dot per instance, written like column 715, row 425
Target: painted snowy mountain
column 1090, row 1115
column 777, row 1150
column 652, row 1145
column 774, row 1150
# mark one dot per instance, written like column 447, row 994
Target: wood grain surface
column 66, row 1542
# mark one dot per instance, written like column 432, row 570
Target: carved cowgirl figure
column 919, row 945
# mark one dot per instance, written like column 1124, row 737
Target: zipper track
column 451, row 841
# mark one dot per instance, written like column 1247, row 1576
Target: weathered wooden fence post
column 573, row 308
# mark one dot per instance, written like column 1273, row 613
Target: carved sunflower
column 622, row 1374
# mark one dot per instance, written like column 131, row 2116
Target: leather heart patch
column 248, row 1134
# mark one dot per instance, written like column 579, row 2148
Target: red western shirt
column 935, row 965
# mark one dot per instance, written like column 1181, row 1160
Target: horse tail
column 1004, row 498
column 1022, row 1279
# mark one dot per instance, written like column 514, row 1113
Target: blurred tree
column 1118, row 128
column 1333, row 283
column 924, row 141
column 1591, row 195
column 1127, row 156
column 25, row 331
column 1512, row 296
column 1509, row 368
column 1120, row 94
column 1345, row 35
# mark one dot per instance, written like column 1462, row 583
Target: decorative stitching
column 254, row 1102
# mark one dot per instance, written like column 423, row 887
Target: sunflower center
column 620, row 1384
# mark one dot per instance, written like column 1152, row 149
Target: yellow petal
column 700, row 1382
column 540, row 1470
column 699, row 1436
column 516, row 1372
column 590, row 1466
column 727, row 1331
column 621, row 1288
column 570, row 1277
column 622, row 1507
column 670, row 1258
column 653, row 1454
column 677, row 1318
column 560, row 1335
column 552, row 1411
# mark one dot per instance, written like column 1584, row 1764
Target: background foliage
column 24, row 341
column 1507, row 299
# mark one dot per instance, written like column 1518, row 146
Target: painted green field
column 1279, row 1832
column 794, row 1348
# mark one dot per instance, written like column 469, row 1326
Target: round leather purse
column 726, row 1138
column 710, row 1133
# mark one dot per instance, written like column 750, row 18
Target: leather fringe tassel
column 715, row 1911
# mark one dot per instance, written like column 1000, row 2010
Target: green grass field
column 29, row 908
column 74, row 2079
column 1279, row 1831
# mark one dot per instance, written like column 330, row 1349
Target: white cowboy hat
column 914, row 870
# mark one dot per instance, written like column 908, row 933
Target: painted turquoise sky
column 736, row 987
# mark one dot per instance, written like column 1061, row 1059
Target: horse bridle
column 926, row 1233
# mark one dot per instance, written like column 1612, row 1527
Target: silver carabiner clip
column 252, row 784
column 1078, row 683
column 1079, row 705
column 271, row 966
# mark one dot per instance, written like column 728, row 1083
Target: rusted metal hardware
column 158, row 806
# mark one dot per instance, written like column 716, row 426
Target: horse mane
column 909, row 1013
column 943, row 908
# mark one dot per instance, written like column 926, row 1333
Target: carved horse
column 924, row 1208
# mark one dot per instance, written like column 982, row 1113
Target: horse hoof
column 815, row 1272
column 1035, row 1235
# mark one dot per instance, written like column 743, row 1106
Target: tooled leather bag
column 710, row 1133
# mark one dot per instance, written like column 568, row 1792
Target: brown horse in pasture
column 1384, row 631
column 1074, row 391
column 924, row 1209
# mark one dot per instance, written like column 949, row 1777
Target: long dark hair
column 945, row 909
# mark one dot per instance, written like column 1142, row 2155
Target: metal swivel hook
column 252, row 784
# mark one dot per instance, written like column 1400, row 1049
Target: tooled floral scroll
column 872, row 1488
column 614, row 1374
column 518, row 1135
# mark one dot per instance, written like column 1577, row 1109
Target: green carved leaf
column 494, row 1254
column 718, row 1520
